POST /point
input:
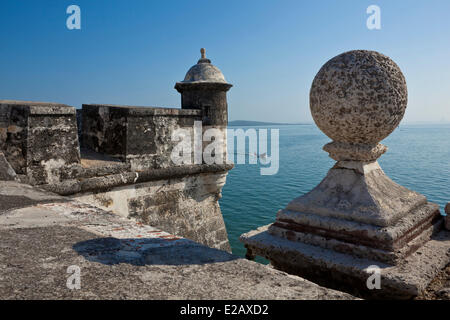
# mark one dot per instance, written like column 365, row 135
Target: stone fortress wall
column 118, row 157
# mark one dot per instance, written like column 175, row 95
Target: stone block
column 39, row 139
column 7, row 173
column 138, row 135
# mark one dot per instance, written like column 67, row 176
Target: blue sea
column 418, row 158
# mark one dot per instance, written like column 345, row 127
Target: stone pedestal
column 357, row 218
column 360, row 211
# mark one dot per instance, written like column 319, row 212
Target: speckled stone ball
column 358, row 97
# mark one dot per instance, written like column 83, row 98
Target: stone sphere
column 358, row 97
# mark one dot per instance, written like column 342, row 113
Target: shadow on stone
column 149, row 251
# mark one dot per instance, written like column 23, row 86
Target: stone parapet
column 39, row 139
column 140, row 136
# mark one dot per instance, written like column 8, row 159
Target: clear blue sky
column 133, row 52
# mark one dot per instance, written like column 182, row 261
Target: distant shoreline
column 245, row 123
column 248, row 123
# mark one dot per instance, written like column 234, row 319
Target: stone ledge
column 146, row 111
column 391, row 237
column 107, row 182
column 358, row 250
column 202, row 85
column 345, row 272
column 41, row 108
column 124, row 259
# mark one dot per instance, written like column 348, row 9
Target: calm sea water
column 418, row 158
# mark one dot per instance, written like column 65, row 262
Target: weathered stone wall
column 125, row 164
column 39, row 140
column 13, row 134
column 138, row 135
column 186, row 206
column 210, row 98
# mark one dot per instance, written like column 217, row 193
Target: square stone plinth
column 345, row 272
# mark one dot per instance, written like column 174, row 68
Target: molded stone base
column 387, row 244
column 345, row 272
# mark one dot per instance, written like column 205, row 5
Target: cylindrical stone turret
column 204, row 87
